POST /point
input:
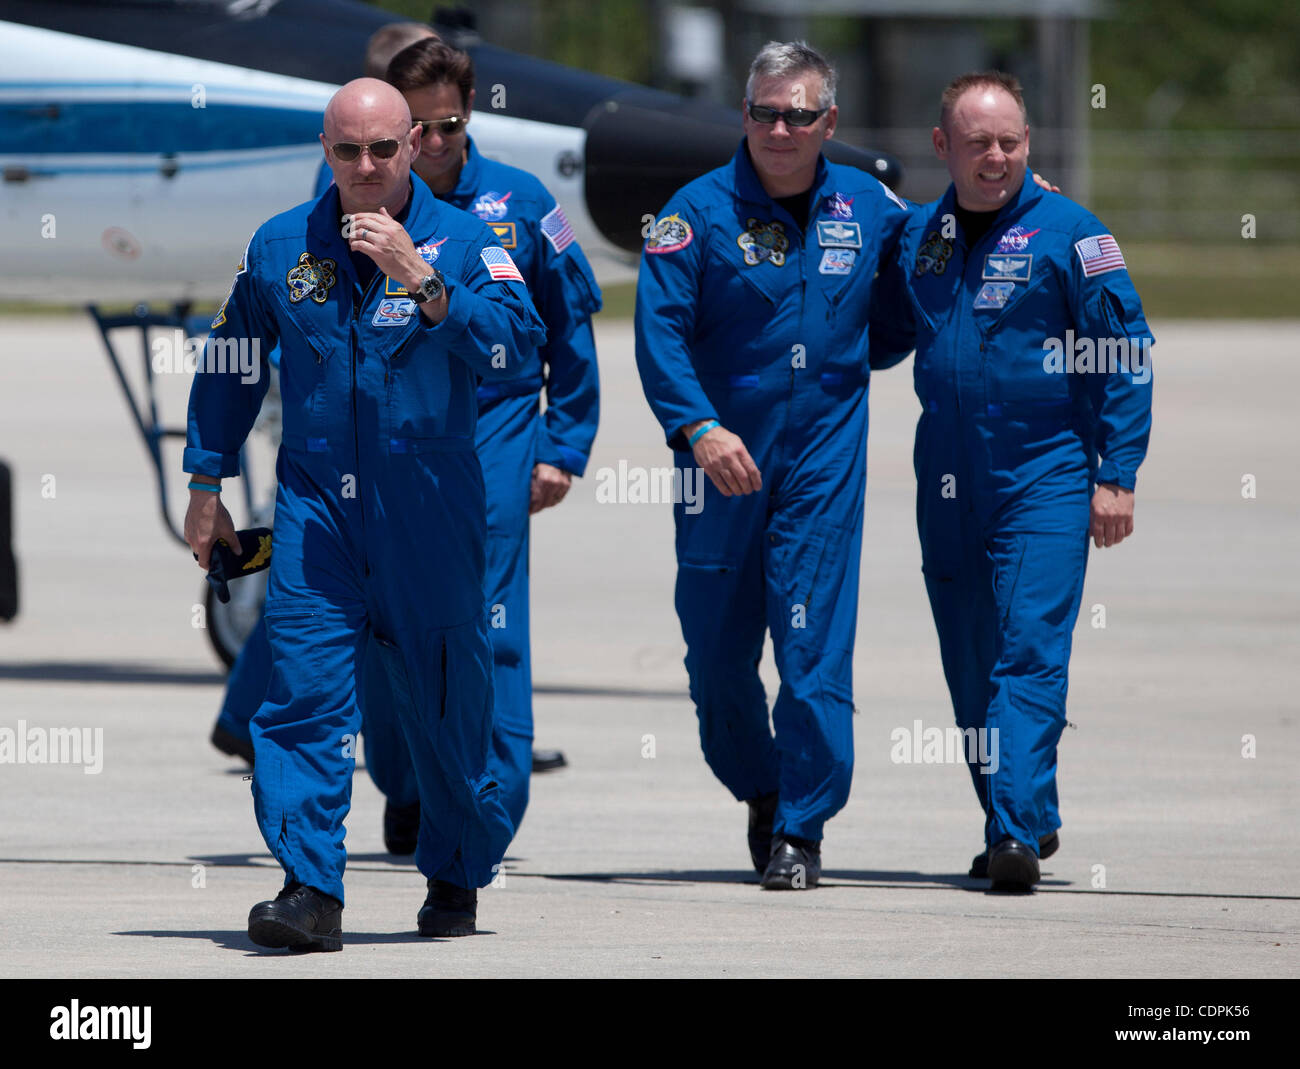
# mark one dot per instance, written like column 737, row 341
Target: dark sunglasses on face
column 453, row 124
column 795, row 117
column 348, row 151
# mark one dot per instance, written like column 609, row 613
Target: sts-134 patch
column 933, row 255
column 764, row 241
column 311, row 278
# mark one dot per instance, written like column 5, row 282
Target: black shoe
column 1013, row 866
column 300, row 918
column 233, row 745
column 448, row 910
column 1047, row 846
column 762, row 812
column 795, row 864
column 401, row 827
column 548, row 760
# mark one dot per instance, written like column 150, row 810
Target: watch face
column 431, row 287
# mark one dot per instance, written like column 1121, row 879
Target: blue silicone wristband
column 212, row 488
column 702, row 432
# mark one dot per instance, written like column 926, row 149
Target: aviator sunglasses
column 795, row 117
column 347, row 151
column 453, row 124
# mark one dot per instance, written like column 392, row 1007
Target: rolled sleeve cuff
column 1112, row 473
column 206, row 462
column 571, row 460
column 673, row 431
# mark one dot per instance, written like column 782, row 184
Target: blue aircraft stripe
column 182, row 89
column 148, row 127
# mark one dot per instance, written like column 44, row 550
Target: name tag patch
column 505, row 233
column 837, row 261
column 393, row 313
column 994, row 294
column 1011, row 267
column 835, row 233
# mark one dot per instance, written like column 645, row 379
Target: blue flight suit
column 743, row 317
column 380, row 523
column 513, row 435
column 1010, row 444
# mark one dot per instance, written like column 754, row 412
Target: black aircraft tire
column 229, row 625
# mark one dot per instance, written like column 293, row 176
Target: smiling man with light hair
column 1019, row 458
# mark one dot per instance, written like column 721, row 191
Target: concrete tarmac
column 1178, row 775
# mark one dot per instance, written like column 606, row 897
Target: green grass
column 1244, row 280
column 1177, row 281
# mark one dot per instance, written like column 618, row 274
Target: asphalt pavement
column 1178, row 773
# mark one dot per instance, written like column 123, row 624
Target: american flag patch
column 499, row 265
column 555, row 225
column 1099, row 255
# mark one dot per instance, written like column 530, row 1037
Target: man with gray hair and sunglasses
column 758, row 322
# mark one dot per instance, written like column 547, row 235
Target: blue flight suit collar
column 325, row 241
column 470, row 178
column 323, row 222
column 1029, row 194
column 749, row 188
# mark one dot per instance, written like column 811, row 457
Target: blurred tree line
column 1166, row 64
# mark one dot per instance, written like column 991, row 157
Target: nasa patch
column 393, row 312
column 838, row 206
column 837, row 261
column 1016, row 239
column 430, row 253
column 491, row 206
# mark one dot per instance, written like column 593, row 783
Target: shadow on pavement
column 107, row 672
column 238, row 940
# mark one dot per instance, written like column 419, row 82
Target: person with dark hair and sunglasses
column 388, row 306
column 529, row 457
column 758, row 322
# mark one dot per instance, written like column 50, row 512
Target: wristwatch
column 430, row 289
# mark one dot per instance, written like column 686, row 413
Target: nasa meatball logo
column 491, row 207
column 838, row 206
column 1016, row 239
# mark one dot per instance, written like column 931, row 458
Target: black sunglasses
column 385, row 149
column 796, row 117
column 453, row 124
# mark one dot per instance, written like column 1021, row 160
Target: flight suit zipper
column 357, row 306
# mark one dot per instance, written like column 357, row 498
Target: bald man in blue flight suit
column 528, row 457
column 757, row 326
column 386, row 305
column 1033, row 371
